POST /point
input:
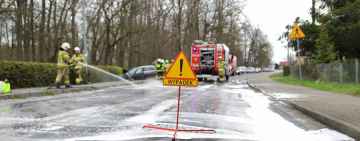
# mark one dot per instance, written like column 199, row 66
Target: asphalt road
column 232, row 109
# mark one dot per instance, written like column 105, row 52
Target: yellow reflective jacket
column 63, row 59
column 221, row 68
column 6, row 88
column 76, row 59
column 158, row 66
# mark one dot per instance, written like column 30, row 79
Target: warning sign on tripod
column 180, row 73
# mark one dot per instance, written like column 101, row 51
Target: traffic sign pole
column 288, row 52
column 297, row 34
column 177, row 128
column 299, row 61
column 178, row 108
column 177, row 113
column 179, row 74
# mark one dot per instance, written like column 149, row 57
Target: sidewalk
column 338, row 111
column 46, row 91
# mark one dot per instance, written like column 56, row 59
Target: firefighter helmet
column 65, row 46
column 77, row 49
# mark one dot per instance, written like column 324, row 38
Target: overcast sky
column 271, row 16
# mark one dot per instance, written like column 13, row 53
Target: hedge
column 113, row 69
column 33, row 74
column 94, row 76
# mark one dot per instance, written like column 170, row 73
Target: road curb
column 331, row 122
column 44, row 92
column 38, row 92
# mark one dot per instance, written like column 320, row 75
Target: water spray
column 108, row 74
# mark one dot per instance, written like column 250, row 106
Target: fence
column 341, row 72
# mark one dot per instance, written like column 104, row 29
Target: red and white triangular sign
column 180, row 73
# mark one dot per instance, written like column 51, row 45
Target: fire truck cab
column 210, row 61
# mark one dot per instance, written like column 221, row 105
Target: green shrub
column 27, row 74
column 113, row 69
column 33, row 74
column 286, row 70
column 97, row 76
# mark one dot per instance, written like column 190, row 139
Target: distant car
column 268, row 70
column 251, row 70
column 257, row 70
column 241, row 70
column 141, row 73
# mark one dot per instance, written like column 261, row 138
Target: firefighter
column 63, row 60
column 5, row 87
column 221, row 68
column 159, row 65
column 76, row 61
column 163, row 67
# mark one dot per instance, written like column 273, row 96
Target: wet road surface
column 232, row 109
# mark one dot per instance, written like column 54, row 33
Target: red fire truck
column 212, row 61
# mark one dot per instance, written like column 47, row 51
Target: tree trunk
column 1, row 31
column 131, row 23
column 48, row 34
column 179, row 22
column 27, row 33
column 60, row 28
column 19, row 30
column 32, row 40
column 313, row 12
column 41, row 48
column 107, row 57
column 74, row 35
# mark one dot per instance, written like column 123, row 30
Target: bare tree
column 121, row 32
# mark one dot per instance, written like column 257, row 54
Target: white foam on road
column 270, row 126
column 150, row 84
column 263, row 124
column 286, row 95
column 119, row 136
column 153, row 114
column 328, row 135
column 204, row 87
column 138, row 134
column 51, row 127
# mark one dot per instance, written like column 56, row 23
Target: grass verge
column 353, row 89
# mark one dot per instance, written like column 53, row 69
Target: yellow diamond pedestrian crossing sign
column 296, row 33
column 180, row 73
